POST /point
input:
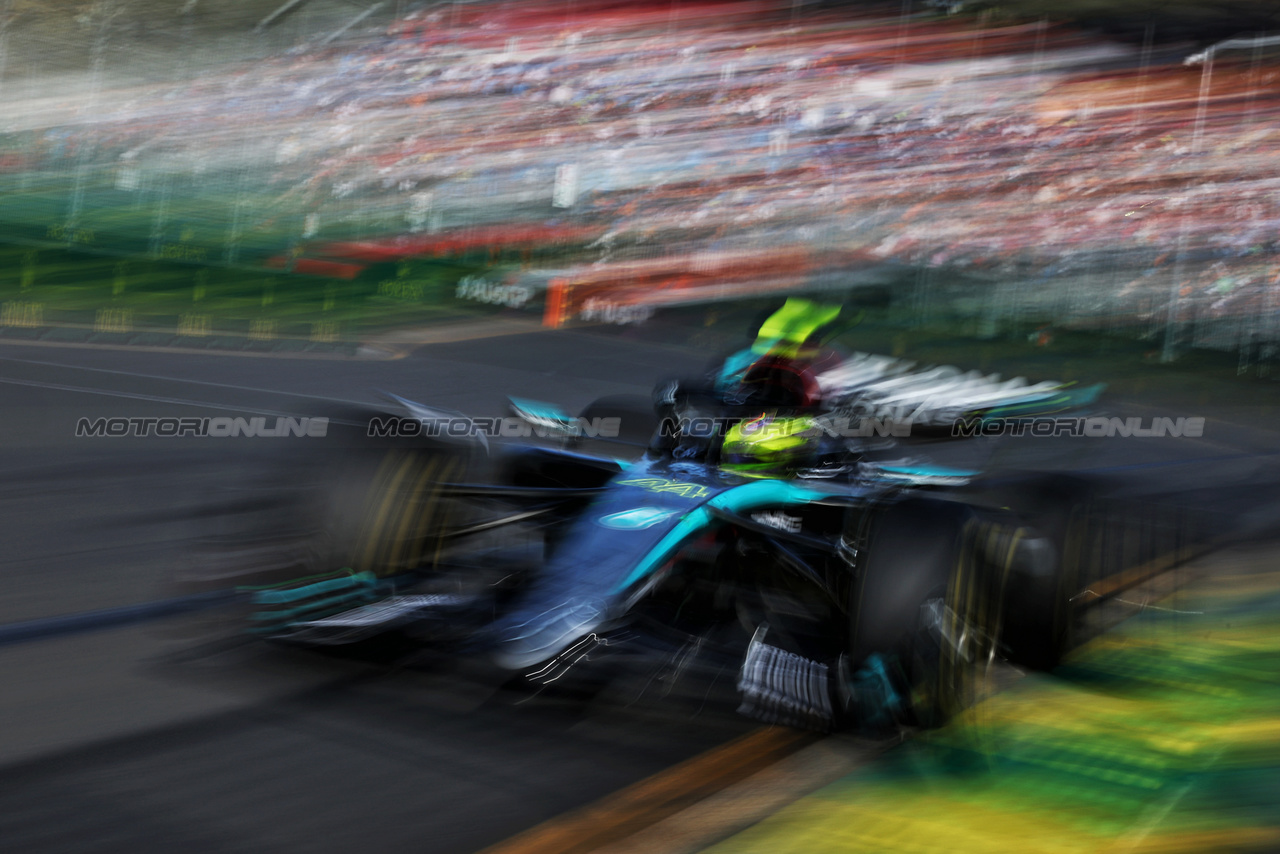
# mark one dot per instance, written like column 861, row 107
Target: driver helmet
column 770, row 445
column 779, row 381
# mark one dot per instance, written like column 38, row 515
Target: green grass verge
column 52, row 286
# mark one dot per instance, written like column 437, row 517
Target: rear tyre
column 1041, row 623
column 1105, row 545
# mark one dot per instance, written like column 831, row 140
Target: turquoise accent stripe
column 929, row 471
column 332, row 603
column 736, row 364
column 759, row 493
column 279, row 597
column 1068, row 398
column 539, row 409
column 312, row 601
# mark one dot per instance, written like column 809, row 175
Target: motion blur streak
column 627, row 155
column 570, row 201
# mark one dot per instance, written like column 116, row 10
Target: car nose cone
column 529, row 639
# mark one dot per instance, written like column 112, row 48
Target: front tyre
column 925, row 612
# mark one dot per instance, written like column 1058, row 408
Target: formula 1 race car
column 784, row 520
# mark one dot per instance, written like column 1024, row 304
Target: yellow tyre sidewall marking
column 974, row 607
column 371, row 538
column 410, row 514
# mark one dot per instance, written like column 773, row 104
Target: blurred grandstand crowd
column 745, row 145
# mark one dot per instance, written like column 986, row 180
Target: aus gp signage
column 481, row 290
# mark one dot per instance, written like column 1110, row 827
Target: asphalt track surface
column 127, row 735
column 130, row 737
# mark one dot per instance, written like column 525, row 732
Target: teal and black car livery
column 617, row 549
column 843, row 579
